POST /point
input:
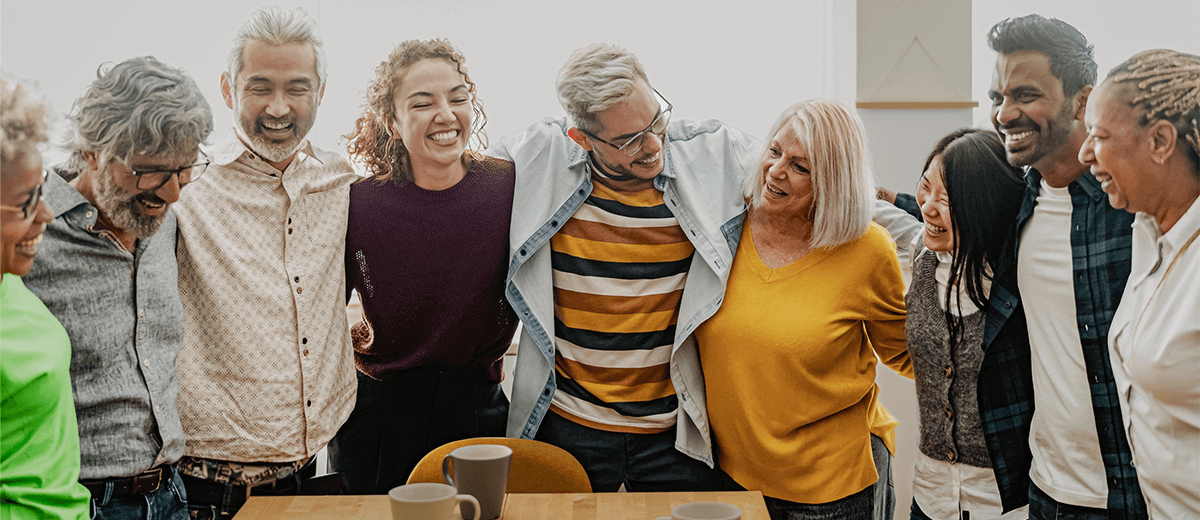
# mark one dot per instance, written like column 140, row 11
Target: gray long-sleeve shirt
column 125, row 321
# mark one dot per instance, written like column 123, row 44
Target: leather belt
column 134, row 486
column 208, row 492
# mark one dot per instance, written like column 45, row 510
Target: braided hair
column 1166, row 86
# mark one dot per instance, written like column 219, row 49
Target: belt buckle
column 147, row 482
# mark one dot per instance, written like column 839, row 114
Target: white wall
column 711, row 59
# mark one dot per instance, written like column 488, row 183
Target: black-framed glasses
column 29, row 207
column 657, row 127
column 153, row 180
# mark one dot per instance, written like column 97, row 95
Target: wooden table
column 517, row 506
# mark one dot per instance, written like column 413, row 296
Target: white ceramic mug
column 427, row 501
column 704, row 511
column 480, row 470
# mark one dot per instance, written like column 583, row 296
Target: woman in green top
column 39, row 439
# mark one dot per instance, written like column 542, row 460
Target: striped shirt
column 620, row 264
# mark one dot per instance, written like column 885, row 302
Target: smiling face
column 20, row 236
column 275, row 98
column 114, row 188
column 787, row 188
column 1118, row 150
column 622, row 122
column 433, row 115
column 1031, row 112
column 935, row 209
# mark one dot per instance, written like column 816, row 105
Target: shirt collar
column 230, row 148
column 61, row 195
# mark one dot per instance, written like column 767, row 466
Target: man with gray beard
column 107, row 271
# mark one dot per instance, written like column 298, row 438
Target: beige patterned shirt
column 267, row 372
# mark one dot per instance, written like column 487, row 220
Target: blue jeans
column 1043, row 507
column 168, row 503
column 640, row 461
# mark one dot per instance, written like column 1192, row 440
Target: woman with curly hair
column 39, row 439
column 426, row 249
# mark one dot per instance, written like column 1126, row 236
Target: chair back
column 537, row 467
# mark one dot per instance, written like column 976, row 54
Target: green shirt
column 39, row 439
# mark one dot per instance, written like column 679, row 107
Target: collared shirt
column 703, row 166
column 123, row 315
column 267, row 369
column 1155, row 346
column 1100, row 251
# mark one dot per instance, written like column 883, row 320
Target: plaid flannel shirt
column 1100, row 250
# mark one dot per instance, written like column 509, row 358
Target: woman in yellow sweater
column 815, row 292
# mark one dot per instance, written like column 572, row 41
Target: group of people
column 700, row 310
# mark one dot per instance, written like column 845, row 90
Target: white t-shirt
column 1155, row 348
column 1067, row 463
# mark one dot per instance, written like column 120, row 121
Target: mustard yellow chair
column 536, row 467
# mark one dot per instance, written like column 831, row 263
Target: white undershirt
column 1067, row 463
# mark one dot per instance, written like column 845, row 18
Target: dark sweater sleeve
column 908, row 203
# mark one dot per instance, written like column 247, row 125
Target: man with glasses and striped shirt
column 624, row 227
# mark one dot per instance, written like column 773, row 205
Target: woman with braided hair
column 1143, row 145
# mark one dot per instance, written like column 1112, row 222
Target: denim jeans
column 398, row 421
column 1043, row 507
column 640, row 461
column 168, row 503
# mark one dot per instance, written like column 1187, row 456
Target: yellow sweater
column 789, row 367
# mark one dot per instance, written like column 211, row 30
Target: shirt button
column 89, row 214
column 306, row 352
column 949, row 413
column 289, row 221
column 546, row 392
column 141, row 313
column 949, row 371
column 296, row 279
column 303, row 341
column 146, row 362
column 157, row 409
column 309, row 403
column 289, row 231
column 299, row 290
column 950, row 456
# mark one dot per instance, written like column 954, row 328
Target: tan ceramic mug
column 704, row 511
column 427, row 501
column 480, row 470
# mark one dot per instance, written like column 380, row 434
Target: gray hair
column 276, row 26
column 842, row 182
column 595, row 78
column 23, row 121
column 139, row 106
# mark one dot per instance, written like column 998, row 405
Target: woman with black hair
column 969, row 197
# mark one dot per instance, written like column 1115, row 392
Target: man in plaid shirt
column 1045, row 362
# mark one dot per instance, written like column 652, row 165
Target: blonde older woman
column 815, row 292
column 1143, row 146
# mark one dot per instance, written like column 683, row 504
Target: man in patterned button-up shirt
column 107, row 271
column 1048, row 447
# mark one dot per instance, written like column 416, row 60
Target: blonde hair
column 595, row 78
column 23, row 121
column 1167, row 87
column 842, row 182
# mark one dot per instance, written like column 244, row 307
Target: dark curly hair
column 386, row 158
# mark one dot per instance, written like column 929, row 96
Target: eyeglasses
column 153, row 180
column 657, row 127
column 29, row 207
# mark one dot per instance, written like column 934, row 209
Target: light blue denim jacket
column 704, row 163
